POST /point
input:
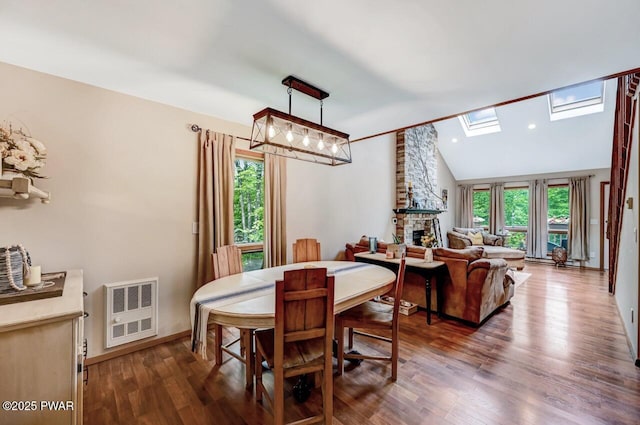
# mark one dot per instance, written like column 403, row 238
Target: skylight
column 576, row 100
column 483, row 121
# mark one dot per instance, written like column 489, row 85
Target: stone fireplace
column 416, row 167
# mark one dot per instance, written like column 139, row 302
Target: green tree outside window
column 248, row 209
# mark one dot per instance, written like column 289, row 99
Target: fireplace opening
column 417, row 237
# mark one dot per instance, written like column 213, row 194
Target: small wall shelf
column 22, row 188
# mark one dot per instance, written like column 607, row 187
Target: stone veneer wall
column 421, row 164
column 416, row 162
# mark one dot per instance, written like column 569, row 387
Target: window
column 576, row 100
column 557, row 216
column 484, row 121
column 516, row 216
column 248, row 209
column 481, row 208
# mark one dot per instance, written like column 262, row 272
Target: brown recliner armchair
column 475, row 287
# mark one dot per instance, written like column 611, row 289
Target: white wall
column 627, row 283
column 599, row 175
column 339, row 204
column 122, row 173
column 446, row 181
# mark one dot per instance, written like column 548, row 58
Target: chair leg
column 258, row 369
column 394, row 351
column 327, row 390
column 278, row 395
column 218, row 344
column 246, row 338
column 339, row 332
column 350, row 338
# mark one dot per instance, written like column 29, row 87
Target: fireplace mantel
column 415, row 211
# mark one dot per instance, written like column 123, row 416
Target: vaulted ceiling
column 386, row 64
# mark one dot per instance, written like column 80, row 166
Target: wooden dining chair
column 373, row 316
column 226, row 261
column 306, row 250
column 302, row 340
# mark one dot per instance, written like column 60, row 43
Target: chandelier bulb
column 320, row 143
column 289, row 135
column 272, row 131
column 305, row 140
column 334, row 148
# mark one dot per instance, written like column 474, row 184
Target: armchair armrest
column 488, row 264
column 493, row 240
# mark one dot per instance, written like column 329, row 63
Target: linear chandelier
column 283, row 134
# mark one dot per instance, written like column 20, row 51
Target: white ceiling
column 579, row 143
column 387, row 64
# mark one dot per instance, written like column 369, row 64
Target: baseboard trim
column 568, row 265
column 135, row 346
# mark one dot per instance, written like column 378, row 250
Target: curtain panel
column 537, row 233
column 464, row 210
column 216, row 167
column 496, row 210
column 275, row 194
column 578, row 218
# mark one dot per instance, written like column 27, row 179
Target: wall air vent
column 131, row 310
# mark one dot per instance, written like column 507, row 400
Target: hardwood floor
column 556, row 355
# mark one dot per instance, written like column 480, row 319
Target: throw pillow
column 476, row 238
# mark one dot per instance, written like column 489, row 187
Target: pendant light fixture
column 283, row 134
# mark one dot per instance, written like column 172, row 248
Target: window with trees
column 557, row 216
column 248, row 209
column 481, row 208
column 516, row 216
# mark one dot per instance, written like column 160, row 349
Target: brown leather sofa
column 474, row 288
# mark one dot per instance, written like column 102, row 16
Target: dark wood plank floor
column 556, row 355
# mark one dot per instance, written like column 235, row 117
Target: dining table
column 247, row 300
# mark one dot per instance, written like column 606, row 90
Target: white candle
column 36, row 276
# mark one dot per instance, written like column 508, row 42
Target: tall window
column 557, row 216
column 248, row 210
column 516, row 216
column 481, row 208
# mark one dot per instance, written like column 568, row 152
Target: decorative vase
column 373, row 245
column 428, row 255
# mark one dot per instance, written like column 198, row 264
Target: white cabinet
column 41, row 358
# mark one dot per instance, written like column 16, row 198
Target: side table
column 434, row 269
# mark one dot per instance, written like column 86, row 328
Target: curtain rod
column 196, row 129
column 519, row 181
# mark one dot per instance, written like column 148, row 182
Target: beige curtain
column 578, row 218
column 275, row 194
column 537, row 233
column 215, row 198
column 496, row 211
column 465, row 206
